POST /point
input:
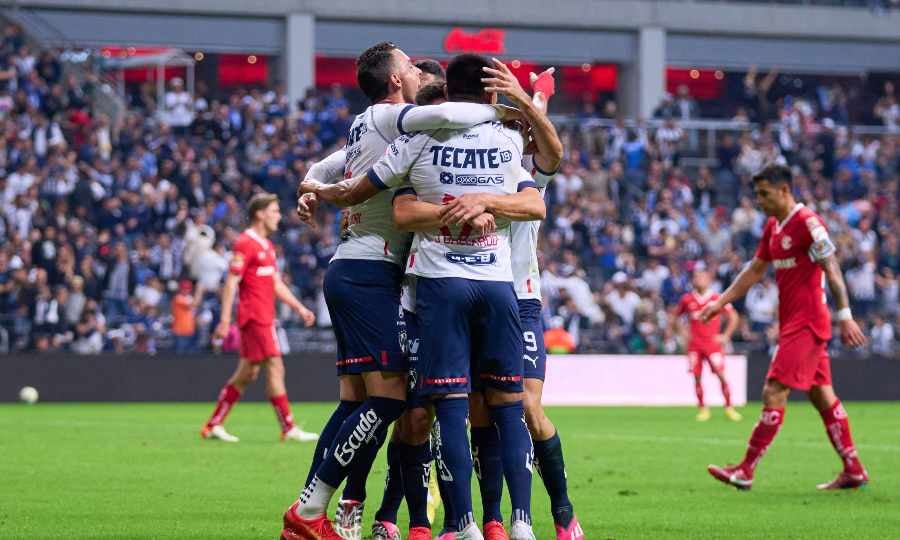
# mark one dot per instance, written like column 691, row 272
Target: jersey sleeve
column 821, row 247
column 330, row 170
column 393, row 168
column 449, row 115
column 239, row 259
column 762, row 252
column 541, row 178
column 681, row 308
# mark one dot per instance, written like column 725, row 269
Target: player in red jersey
column 796, row 243
column 254, row 274
column 705, row 341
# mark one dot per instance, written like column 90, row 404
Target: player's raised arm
column 327, row 171
column 749, row 276
column 452, row 115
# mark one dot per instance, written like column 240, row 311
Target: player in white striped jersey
column 362, row 287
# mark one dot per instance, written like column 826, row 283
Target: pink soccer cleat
column 734, row 475
column 572, row 532
column 299, row 528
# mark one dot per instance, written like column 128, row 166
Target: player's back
column 483, row 159
column 371, row 233
column 523, row 241
column 801, row 282
column 254, row 260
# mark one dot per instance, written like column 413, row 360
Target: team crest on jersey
column 261, row 255
column 785, row 242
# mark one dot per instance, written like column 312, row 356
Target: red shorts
column 712, row 355
column 258, row 342
column 801, row 361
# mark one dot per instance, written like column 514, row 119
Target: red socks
column 227, row 398
column 838, row 428
column 726, row 393
column 283, row 412
column 699, row 389
column 763, row 434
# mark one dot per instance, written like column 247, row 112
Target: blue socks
column 343, row 410
column 517, row 455
column 393, row 486
column 455, row 465
column 489, row 469
column 416, row 462
column 548, row 456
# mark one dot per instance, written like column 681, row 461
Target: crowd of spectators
column 116, row 235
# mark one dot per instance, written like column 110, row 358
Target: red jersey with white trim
column 703, row 334
column 794, row 248
column 254, row 261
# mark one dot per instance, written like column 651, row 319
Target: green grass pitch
column 122, row 471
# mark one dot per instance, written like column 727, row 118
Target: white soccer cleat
column 218, row 432
column 297, row 434
column 471, row 532
column 521, row 531
column 348, row 519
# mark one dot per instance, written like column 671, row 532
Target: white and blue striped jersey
column 523, row 241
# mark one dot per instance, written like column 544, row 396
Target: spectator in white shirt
column 622, row 300
column 762, row 304
column 882, row 336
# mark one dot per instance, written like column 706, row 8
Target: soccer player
column 797, row 244
column 253, row 273
column 464, row 292
column 705, row 341
column 543, row 163
column 362, row 290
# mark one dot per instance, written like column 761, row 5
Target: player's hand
column 502, row 81
column 309, row 318
column 221, row 330
column 722, row 339
column 306, row 208
column 543, row 83
column 309, row 186
column 710, row 310
column 463, row 209
column 484, row 224
column 851, row 334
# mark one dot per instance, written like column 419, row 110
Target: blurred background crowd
column 116, row 234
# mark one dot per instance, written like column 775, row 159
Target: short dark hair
column 427, row 65
column 464, row 76
column 373, row 69
column 430, row 93
column 258, row 202
column 774, row 173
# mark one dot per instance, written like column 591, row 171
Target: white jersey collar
column 780, row 225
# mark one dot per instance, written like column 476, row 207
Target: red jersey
column 254, row 261
column 793, row 247
column 703, row 334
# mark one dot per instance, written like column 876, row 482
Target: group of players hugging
column 434, row 296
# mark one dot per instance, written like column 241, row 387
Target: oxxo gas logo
column 362, row 433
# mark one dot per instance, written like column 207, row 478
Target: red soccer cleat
column 733, row 475
column 847, row 480
column 446, row 535
column 419, row 533
column 493, row 530
column 298, row 528
column 572, row 532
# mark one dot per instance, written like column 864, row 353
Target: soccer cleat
column 348, row 519
column 299, row 528
column 434, row 497
column 846, row 480
column 494, row 530
column 519, row 530
column 471, row 532
column 217, row 432
column 732, row 414
column 733, row 475
column 385, row 530
column 572, row 532
column 703, row 414
column 446, row 535
column 419, row 533
column 297, row 434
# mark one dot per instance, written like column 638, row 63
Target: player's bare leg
column 548, row 456
column 488, row 466
column 277, row 394
column 837, row 426
column 244, row 374
column 730, row 411
column 774, row 396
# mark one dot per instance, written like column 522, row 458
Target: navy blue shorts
column 535, row 355
column 363, row 300
column 470, row 329
column 410, row 340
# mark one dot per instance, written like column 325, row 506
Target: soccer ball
column 28, row 394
